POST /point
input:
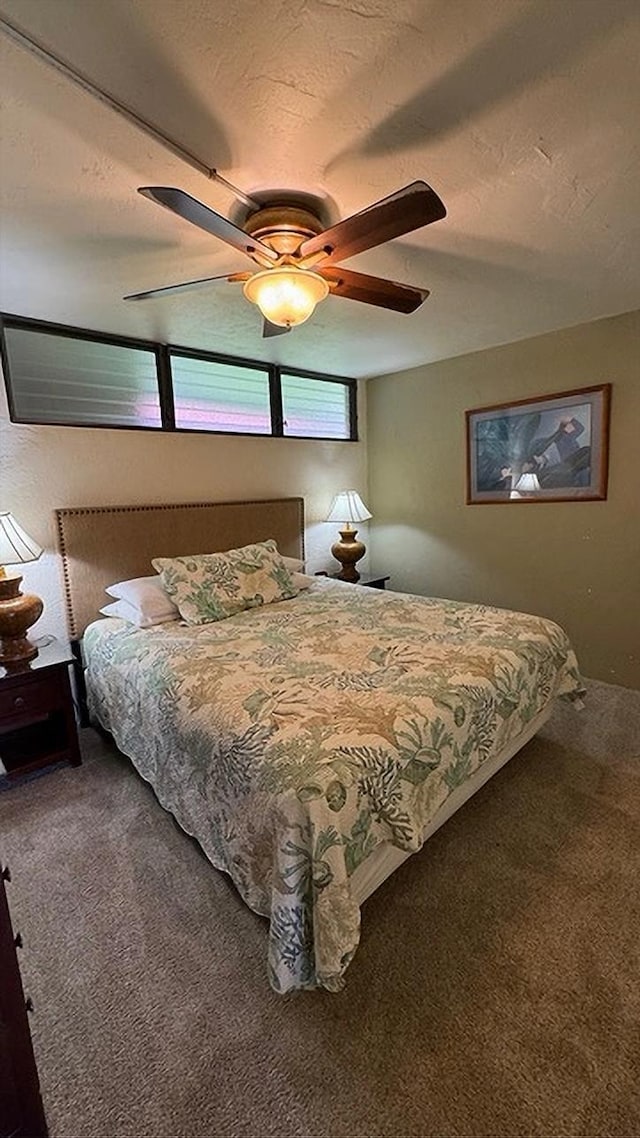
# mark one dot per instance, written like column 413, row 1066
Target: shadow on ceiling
column 537, row 42
column 123, row 43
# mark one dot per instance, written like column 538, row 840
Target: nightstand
column 368, row 581
column 37, row 719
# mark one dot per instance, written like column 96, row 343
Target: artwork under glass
column 545, row 449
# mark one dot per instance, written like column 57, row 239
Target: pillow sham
column 146, row 594
column 293, row 564
column 212, row 586
column 135, row 616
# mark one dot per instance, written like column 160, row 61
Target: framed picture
column 553, row 448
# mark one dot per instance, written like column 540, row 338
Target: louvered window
column 62, row 379
column 315, row 408
column 67, row 376
column 209, row 395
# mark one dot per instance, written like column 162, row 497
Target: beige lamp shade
column 16, row 547
column 18, row 611
column 346, row 509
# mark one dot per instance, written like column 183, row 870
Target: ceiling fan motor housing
column 283, row 227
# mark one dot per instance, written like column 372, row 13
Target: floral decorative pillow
column 213, row 586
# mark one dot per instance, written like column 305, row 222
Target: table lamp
column 347, row 508
column 18, row 611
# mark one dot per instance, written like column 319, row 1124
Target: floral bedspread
column 293, row 739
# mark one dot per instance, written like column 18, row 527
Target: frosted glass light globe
column 286, row 296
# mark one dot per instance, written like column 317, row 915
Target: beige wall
column 576, row 562
column 42, row 468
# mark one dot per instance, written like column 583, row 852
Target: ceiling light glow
column 286, row 296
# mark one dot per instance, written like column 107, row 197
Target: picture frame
column 549, row 448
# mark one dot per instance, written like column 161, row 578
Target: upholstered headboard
column 104, row 544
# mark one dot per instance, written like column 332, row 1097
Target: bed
column 312, row 745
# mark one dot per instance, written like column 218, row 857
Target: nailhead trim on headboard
column 65, row 574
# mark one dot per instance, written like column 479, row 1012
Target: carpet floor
column 496, row 990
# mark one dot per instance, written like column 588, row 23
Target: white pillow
column 300, row 580
column 148, row 595
column 132, row 615
column 293, row 564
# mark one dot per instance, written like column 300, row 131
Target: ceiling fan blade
column 198, row 214
column 171, row 290
column 408, row 209
column 269, row 329
column 372, row 290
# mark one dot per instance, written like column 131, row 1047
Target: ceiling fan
column 298, row 260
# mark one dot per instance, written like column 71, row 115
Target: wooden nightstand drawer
column 37, row 719
column 29, row 700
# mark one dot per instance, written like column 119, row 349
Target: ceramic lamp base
column 18, row 611
column 348, row 552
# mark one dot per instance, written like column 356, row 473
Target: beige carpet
column 496, row 990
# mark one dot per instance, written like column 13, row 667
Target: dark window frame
column 164, row 379
column 351, row 384
column 68, row 332
column 235, row 361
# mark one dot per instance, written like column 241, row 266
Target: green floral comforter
column 293, row 739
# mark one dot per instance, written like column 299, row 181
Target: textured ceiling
column 522, row 116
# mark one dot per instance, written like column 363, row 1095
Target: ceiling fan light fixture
column 286, row 296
